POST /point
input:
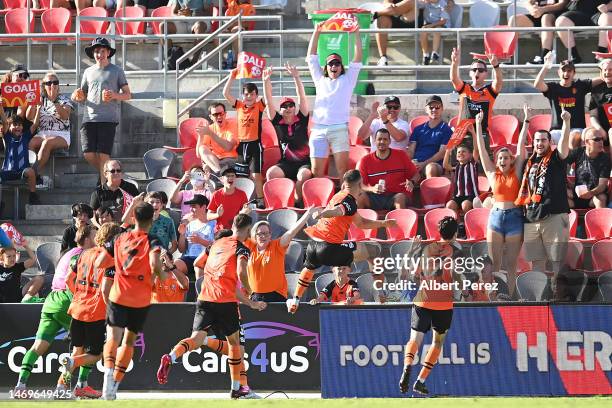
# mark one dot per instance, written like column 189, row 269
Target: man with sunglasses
column 386, row 117
column 217, row 143
column 567, row 93
column 601, row 103
column 115, row 193
column 477, row 96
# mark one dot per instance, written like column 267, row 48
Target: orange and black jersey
column 88, row 302
column 338, row 294
column 333, row 230
column 476, row 100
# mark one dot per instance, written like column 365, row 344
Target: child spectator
column 434, row 15
column 341, row 290
column 10, row 277
column 226, row 202
column 163, row 227
column 16, row 139
column 101, row 216
column 465, row 179
column 250, row 111
column 199, row 178
column 81, row 216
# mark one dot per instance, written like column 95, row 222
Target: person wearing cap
column 81, row 216
column 428, row 140
column 226, row 202
column 291, row 125
column 567, row 93
column 394, row 14
column 331, row 112
column 103, row 87
column 601, row 98
column 477, row 96
column 386, row 117
column 217, row 143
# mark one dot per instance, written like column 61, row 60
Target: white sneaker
column 252, row 395
column 383, row 61
column 108, row 387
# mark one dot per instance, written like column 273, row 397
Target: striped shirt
column 466, row 179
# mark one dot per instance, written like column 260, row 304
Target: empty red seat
column 432, row 218
column 598, row 223
column 278, row 193
column 575, row 254
column 13, row 4
column 271, row 156
column 573, row 222
column 94, row 27
column 187, row 131
column 539, row 122
column 435, row 192
column 503, row 130
column 268, row 134
column 163, row 11
column 190, row 158
column 356, row 153
column 16, row 22
column 502, row 44
column 407, row 222
column 353, row 129
column 601, row 253
column 476, row 221
column 419, row 120
column 56, row 20
column 317, row 192
column 358, row 234
column 131, row 27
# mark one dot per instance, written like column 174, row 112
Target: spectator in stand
column 604, row 20
column 434, row 15
column 235, row 7
column 103, row 87
column 465, row 179
column 79, row 5
column 16, row 138
column 386, row 117
column 601, row 97
column 187, row 8
column 115, row 193
column 217, row 143
column 388, row 176
column 226, row 202
column 582, row 13
column 568, row 93
column 395, row 14
column 18, row 73
column 196, row 233
column 543, row 192
column 505, row 227
column 171, row 289
column 428, row 140
column 81, row 216
column 163, row 228
column 10, row 277
column 542, row 13
column 250, row 115
column 199, row 178
column 291, row 125
column 101, row 216
column 342, row 289
column 592, row 170
column 477, row 96
column 266, row 266
column 331, row 111
column 54, row 127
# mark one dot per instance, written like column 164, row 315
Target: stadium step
column 48, row 212
column 81, row 180
column 47, row 227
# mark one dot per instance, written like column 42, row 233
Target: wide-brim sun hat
column 99, row 42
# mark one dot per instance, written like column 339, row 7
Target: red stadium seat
column 598, row 223
column 601, row 253
column 483, row 184
column 278, row 193
column 353, row 129
column 56, row 20
column 573, row 222
column 190, row 158
column 356, row 153
column 435, row 192
column 539, row 122
column 358, row 234
column 268, row 134
column 16, row 22
column 503, row 130
column 91, row 26
column 432, row 218
column 214, row 26
column 575, row 254
column 502, row 44
column 13, row 4
column 317, row 192
column 131, row 27
column 163, row 11
column 407, row 222
column 271, row 156
column 609, row 41
column 475, row 221
column 419, row 120
column 187, row 132
column 454, row 122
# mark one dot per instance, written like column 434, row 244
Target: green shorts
column 54, row 315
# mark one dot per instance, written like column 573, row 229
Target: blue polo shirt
column 428, row 140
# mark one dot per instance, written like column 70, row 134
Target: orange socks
column 409, row 353
column 124, row 355
column 235, row 362
column 430, row 360
column 218, row 346
column 183, row 347
column 110, row 353
column 303, row 282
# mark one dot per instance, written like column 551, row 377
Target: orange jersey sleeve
column 220, row 274
column 334, row 229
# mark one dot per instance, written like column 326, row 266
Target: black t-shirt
column 68, row 239
column 293, row 138
column 554, row 195
column 10, row 283
column 571, row 98
column 114, row 199
column 588, row 171
column 601, row 95
column 588, row 7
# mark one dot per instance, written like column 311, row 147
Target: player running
column 54, row 317
column 90, row 282
column 137, row 262
column 217, row 305
column 327, row 247
column 431, row 308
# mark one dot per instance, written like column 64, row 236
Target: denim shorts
column 506, row 222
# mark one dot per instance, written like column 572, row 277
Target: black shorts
column 222, row 316
column 268, row 297
column 89, row 335
column 11, row 175
column 381, row 201
column 221, row 335
column 581, row 19
column 581, row 203
column 251, row 154
column 98, row 137
column 123, row 316
column 423, row 319
column 460, row 199
column 537, row 21
column 319, row 253
column 291, row 169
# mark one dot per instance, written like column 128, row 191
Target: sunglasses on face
column 287, row 105
column 334, row 63
column 216, row 114
column 481, row 70
column 393, row 107
column 114, row 171
column 434, row 107
column 49, row 83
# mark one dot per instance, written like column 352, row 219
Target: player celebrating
column 327, row 247
column 88, row 308
column 432, row 308
column 137, row 262
column 218, row 304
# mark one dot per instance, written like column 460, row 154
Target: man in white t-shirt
column 386, row 117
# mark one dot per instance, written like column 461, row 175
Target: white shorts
column 556, row 134
column 48, row 134
column 323, row 137
column 185, row 27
